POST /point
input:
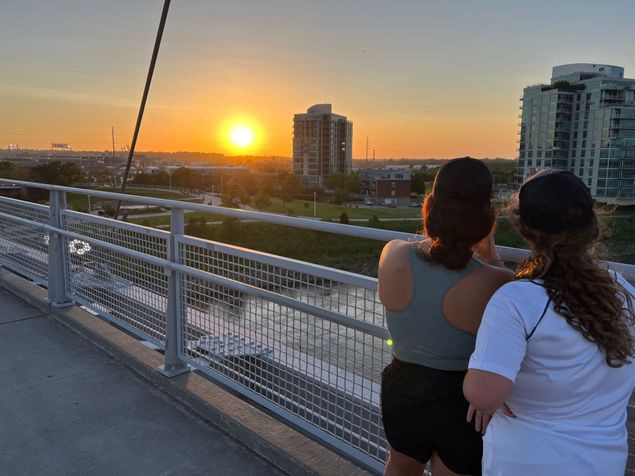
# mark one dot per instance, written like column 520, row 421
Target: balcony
column 305, row 342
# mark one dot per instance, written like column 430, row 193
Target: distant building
column 583, row 121
column 389, row 186
column 322, row 145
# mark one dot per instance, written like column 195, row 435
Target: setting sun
column 241, row 136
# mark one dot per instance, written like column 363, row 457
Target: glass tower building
column 583, row 121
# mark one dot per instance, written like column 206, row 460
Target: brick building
column 387, row 186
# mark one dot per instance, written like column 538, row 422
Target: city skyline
column 419, row 79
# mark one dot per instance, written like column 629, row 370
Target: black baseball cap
column 553, row 201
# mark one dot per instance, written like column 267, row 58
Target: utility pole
column 366, row 152
column 113, row 143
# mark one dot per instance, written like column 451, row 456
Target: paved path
column 67, row 408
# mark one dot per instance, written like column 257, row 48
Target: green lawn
column 80, row 202
column 165, row 219
column 330, row 210
column 324, row 211
column 361, row 255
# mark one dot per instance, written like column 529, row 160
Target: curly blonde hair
column 582, row 290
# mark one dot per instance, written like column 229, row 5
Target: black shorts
column 424, row 410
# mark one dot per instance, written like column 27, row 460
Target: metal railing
column 305, row 341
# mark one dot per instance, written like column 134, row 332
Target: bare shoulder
column 493, row 275
column 395, row 247
column 394, row 255
column 465, row 302
column 394, row 275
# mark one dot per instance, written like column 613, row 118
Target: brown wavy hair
column 458, row 213
column 582, row 290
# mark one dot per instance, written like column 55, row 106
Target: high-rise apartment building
column 322, row 145
column 583, row 121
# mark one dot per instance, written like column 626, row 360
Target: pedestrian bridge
column 303, row 342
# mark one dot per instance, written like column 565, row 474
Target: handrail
column 507, row 253
column 306, row 223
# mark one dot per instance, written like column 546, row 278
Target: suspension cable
column 146, row 90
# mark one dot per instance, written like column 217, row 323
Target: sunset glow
column 241, row 136
column 419, row 79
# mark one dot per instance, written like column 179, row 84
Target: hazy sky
column 419, row 78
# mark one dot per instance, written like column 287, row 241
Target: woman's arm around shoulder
column 394, row 277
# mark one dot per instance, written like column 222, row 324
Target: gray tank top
column 420, row 332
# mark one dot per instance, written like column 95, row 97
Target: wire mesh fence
column 346, row 293
column 134, row 237
column 24, row 246
column 326, row 373
column 128, row 290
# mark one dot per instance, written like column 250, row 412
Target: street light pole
column 314, row 204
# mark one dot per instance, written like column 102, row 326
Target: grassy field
column 327, row 211
column 165, row 219
column 332, row 211
column 361, row 255
column 347, row 253
column 80, row 202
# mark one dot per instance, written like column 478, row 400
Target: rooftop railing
column 305, row 341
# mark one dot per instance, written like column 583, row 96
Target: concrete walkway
column 67, row 408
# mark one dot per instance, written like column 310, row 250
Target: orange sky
column 419, row 79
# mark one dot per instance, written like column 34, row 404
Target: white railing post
column 172, row 364
column 57, row 269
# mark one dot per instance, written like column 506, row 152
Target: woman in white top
column 555, row 347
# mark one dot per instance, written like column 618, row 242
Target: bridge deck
column 68, row 408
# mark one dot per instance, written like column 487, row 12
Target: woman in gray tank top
column 435, row 292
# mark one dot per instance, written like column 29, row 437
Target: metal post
column 57, row 282
column 172, row 365
column 314, row 204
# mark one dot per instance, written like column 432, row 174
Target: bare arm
column 486, row 391
column 486, row 251
column 500, row 349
